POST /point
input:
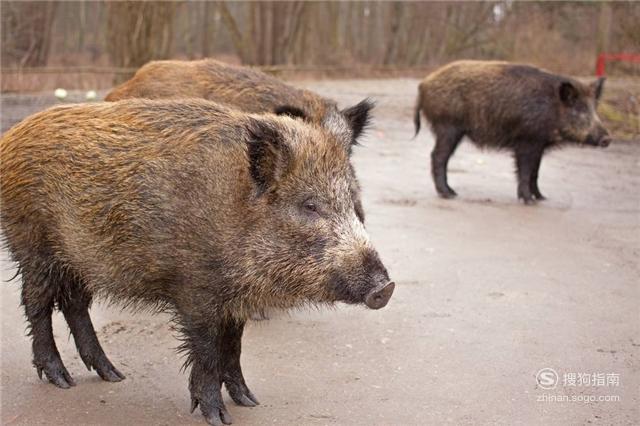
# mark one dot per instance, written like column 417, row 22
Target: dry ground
column 489, row 292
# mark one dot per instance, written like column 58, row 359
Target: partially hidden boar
column 186, row 207
column 248, row 90
column 507, row 106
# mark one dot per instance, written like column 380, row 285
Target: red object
column 603, row 58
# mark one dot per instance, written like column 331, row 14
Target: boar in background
column 507, row 106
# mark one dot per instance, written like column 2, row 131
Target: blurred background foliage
column 563, row 36
column 96, row 44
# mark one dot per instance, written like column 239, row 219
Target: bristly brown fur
column 186, row 206
column 91, row 150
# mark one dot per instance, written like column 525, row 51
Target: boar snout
column 366, row 282
column 379, row 297
column 605, row 141
column 380, row 286
column 600, row 138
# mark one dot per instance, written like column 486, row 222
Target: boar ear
column 290, row 111
column 597, row 86
column 359, row 117
column 568, row 93
column 268, row 154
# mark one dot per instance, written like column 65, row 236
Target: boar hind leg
column 203, row 344
column 39, row 290
column 535, row 191
column 447, row 139
column 75, row 308
column 231, row 370
column 526, row 164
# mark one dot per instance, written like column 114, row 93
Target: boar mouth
column 602, row 142
column 379, row 297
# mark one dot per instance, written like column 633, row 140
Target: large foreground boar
column 507, row 106
column 248, row 90
column 182, row 206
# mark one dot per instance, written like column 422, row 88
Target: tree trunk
column 237, row 39
column 138, row 32
column 604, row 28
column 26, row 31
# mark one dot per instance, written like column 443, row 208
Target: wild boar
column 248, row 90
column 182, row 206
column 507, row 106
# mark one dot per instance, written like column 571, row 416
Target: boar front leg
column 534, row 180
column 203, row 344
column 232, row 372
column 526, row 163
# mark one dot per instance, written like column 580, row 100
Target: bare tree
column 555, row 35
column 138, row 32
column 26, row 32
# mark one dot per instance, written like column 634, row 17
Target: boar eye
column 311, row 208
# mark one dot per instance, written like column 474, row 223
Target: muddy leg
column 535, row 191
column 39, row 288
column 76, row 311
column 447, row 140
column 203, row 344
column 525, row 164
column 232, row 372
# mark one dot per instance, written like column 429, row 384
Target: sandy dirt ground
column 489, row 292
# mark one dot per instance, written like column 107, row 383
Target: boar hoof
column 94, row 358
column 109, row 373
column 245, row 401
column 218, row 417
column 214, row 415
column 528, row 201
column 539, row 197
column 57, row 374
column 448, row 194
column 241, row 395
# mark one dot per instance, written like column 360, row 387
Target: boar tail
column 416, row 114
